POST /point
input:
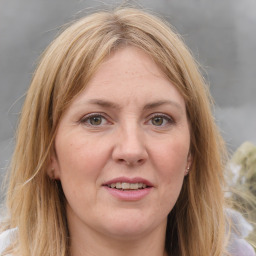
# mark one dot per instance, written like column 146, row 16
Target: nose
column 130, row 147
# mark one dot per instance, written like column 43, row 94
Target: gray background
column 220, row 33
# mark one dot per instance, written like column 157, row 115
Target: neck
column 94, row 244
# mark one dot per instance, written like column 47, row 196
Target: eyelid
column 86, row 117
column 168, row 118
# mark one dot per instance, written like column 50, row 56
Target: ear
column 53, row 169
column 189, row 160
column 189, row 163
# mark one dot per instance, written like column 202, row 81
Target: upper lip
column 129, row 180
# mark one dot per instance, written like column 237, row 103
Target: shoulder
column 240, row 229
column 6, row 239
column 240, row 247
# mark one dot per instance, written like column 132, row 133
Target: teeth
column 134, row 185
column 118, row 185
column 127, row 186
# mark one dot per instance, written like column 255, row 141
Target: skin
column 140, row 130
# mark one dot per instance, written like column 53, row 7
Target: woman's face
column 122, row 149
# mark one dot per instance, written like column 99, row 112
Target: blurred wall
column 221, row 35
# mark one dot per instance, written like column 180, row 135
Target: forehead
column 127, row 63
column 130, row 75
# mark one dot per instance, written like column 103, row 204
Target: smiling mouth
column 127, row 186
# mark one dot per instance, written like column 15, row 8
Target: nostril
column 126, row 162
column 131, row 162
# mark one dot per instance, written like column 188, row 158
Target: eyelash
column 85, row 120
column 169, row 120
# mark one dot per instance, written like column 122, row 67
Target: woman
column 117, row 152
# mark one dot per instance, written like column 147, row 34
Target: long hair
column 196, row 225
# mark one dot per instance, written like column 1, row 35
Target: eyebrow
column 108, row 104
column 162, row 102
column 104, row 103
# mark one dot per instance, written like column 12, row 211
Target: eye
column 161, row 120
column 94, row 120
column 158, row 120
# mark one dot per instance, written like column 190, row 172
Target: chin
column 132, row 226
column 127, row 234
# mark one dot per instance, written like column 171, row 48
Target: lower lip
column 129, row 195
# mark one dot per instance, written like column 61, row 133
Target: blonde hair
column 196, row 225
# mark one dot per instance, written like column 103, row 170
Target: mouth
column 129, row 189
column 126, row 186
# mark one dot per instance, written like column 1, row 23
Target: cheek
column 78, row 170
column 170, row 160
column 80, row 156
column 80, row 163
column 171, row 157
